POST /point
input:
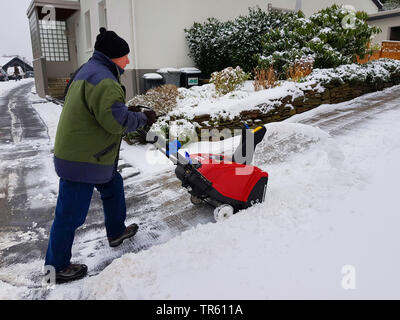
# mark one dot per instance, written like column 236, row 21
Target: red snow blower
column 227, row 184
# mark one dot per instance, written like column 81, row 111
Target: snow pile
column 204, row 100
column 373, row 72
column 50, row 114
column 330, row 205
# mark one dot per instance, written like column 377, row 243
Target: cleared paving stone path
column 159, row 205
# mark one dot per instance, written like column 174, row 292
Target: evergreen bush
column 332, row 37
column 216, row 45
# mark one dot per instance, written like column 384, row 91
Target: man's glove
column 134, row 109
column 151, row 117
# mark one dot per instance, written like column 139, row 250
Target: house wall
column 154, row 29
column 385, row 24
column 119, row 19
column 160, row 36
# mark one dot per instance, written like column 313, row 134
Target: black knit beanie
column 111, row 45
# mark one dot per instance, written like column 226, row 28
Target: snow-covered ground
column 328, row 228
column 9, row 85
column 331, row 213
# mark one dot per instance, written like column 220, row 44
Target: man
column 86, row 153
column 16, row 73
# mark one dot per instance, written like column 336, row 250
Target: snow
column 203, row 100
column 331, row 206
column 168, row 70
column 190, row 70
column 152, row 76
column 331, row 203
column 50, row 114
column 146, row 159
column 10, row 85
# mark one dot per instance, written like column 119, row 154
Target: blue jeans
column 72, row 208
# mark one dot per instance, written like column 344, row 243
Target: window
column 54, row 41
column 35, row 36
column 88, row 27
column 103, row 14
column 395, row 34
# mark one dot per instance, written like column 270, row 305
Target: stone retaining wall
column 287, row 106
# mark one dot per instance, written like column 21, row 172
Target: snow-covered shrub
column 182, row 130
column 216, row 45
column 228, row 80
column 161, row 99
column 341, row 29
column 374, row 72
column 282, row 46
column 331, row 37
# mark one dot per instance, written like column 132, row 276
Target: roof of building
column 384, row 14
column 14, row 60
column 378, row 4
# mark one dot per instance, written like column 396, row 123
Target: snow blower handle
column 170, row 149
column 144, row 132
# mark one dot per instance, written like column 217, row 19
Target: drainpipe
column 134, row 41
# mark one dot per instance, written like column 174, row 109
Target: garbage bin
column 190, row 77
column 171, row 76
column 152, row 80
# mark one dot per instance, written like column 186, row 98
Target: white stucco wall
column 160, row 26
column 386, row 25
column 83, row 53
column 118, row 17
column 154, row 29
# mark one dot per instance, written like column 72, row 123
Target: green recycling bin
column 190, row 77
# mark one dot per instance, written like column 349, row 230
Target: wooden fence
column 390, row 50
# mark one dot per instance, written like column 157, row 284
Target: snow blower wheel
column 195, row 200
column 223, row 212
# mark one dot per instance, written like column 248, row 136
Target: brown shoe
column 71, row 273
column 128, row 233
